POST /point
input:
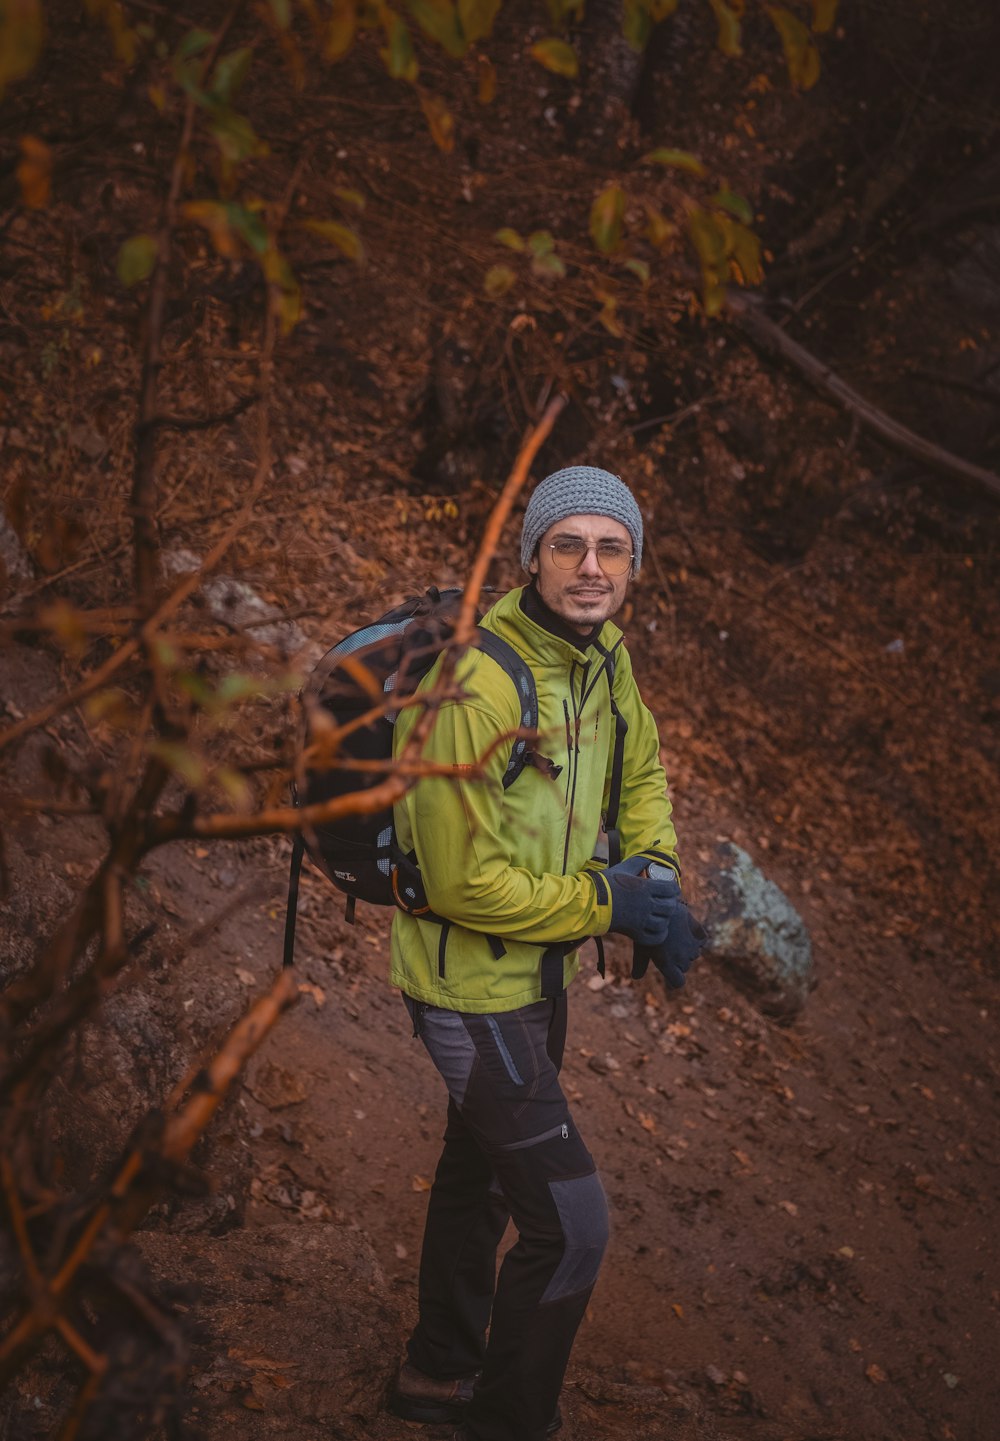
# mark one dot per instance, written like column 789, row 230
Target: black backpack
column 390, row 656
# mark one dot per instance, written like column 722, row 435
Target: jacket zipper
column 569, row 748
column 575, row 756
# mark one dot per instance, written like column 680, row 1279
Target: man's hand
column 641, row 907
column 674, row 955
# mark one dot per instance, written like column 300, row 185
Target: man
column 513, row 889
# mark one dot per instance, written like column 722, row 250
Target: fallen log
column 766, row 334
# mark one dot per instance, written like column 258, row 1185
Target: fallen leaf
column 790, row 1207
column 678, row 1310
column 318, row 994
column 646, row 1122
column 420, row 1183
column 875, row 1374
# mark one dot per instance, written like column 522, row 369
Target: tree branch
column 766, row 334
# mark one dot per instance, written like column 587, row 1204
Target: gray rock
column 758, row 936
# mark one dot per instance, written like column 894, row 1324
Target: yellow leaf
column 215, row 219
column 440, row 120
column 801, row 54
column 729, row 27
column 34, row 172
column 338, row 234
column 678, row 1310
column 607, row 216
column 307, row 988
column 676, row 159
column 420, row 1183
column 660, row 229
column 340, row 30
column 498, row 280
column 487, row 81
column 557, row 56
column 824, row 14
column 22, row 31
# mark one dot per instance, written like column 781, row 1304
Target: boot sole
column 430, row 1413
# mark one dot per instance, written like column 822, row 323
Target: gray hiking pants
column 511, row 1150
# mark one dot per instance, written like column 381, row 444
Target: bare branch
column 764, row 332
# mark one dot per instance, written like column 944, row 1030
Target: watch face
column 657, row 872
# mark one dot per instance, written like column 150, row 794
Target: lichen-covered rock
column 757, row 935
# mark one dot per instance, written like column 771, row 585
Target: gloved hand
column 641, row 907
column 674, row 955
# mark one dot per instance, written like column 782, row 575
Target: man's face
column 585, row 596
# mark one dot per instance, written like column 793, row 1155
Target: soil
column 804, row 1214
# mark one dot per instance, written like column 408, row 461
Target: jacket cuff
column 663, row 858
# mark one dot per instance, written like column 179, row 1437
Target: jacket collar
column 536, row 609
column 537, row 643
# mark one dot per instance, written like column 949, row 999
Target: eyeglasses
column 613, row 557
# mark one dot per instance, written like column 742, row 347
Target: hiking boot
column 554, row 1425
column 417, row 1397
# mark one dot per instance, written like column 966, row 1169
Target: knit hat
column 580, row 490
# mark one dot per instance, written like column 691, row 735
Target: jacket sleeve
column 644, row 817
column 465, row 863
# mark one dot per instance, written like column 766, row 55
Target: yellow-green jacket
column 518, row 864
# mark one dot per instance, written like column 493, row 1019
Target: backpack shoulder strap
column 514, row 666
column 617, row 761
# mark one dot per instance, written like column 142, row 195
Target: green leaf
column 675, row 159
column 236, row 787
column 136, row 259
column 639, row 268
column 477, row 18
column 182, row 760
column 498, row 280
column 250, row 225
column 729, row 28
column 736, row 205
column 193, row 43
column 557, row 56
column 509, row 237
column 282, row 12
column 398, row 55
column 540, row 242
column 229, row 74
column 640, row 16
column 824, row 15
column 548, row 266
column 801, row 54
column 607, row 218
column 637, row 24
column 236, row 137
column 342, row 236
column 439, row 20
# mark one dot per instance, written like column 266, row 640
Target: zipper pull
column 565, row 1132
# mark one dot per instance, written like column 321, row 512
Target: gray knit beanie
column 580, row 490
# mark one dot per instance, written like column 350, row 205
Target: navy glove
column 641, row 907
column 675, row 954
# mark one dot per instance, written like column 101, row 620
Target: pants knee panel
column 583, row 1214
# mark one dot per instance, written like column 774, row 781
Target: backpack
column 390, row 656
